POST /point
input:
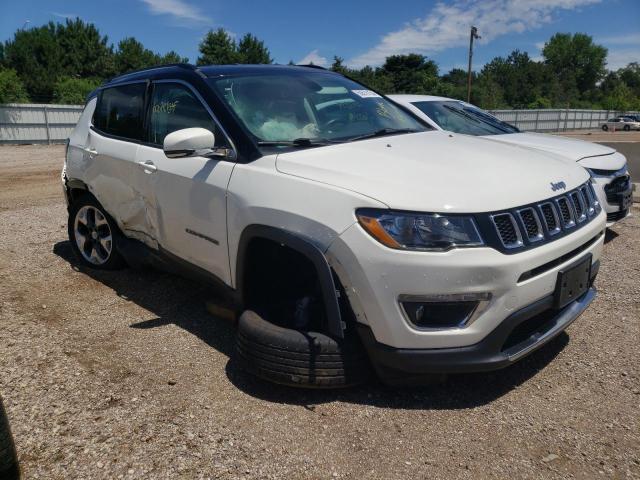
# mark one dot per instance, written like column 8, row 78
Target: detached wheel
column 605, row 128
column 92, row 234
column 8, row 459
column 297, row 358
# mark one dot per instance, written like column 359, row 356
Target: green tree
column 131, row 55
column 487, row 93
column 218, row 48
column 74, row 91
column 36, row 57
column 454, row 84
column 412, row 73
column 338, row 66
column 84, row 51
column 631, row 76
column 522, row 80
column 576, row 61
column 252, row 50
column 11, row 88
column 172, row 57
column 619, row 98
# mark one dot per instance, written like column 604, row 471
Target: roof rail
column 188, row 66
column 311, row 65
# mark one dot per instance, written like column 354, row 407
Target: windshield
column 311, row 106
column 458, row 117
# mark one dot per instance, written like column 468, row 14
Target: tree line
column 63, row 62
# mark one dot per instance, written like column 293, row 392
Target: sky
column 360, row 31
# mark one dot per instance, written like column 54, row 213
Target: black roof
column 212, row 71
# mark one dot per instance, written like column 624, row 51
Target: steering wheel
column 333, row 122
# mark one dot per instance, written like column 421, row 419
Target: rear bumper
column 517, row 336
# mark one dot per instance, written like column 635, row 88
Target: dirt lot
column 125, row 375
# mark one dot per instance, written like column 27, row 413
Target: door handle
column 148, row 166
column 90, row 151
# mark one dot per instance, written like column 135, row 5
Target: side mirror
column 194, row 142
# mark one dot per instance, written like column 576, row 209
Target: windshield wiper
column 480, row 120
column 298, row 142
column 484, row 118
column 382, row 132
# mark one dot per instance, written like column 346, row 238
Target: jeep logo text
column 558, row 186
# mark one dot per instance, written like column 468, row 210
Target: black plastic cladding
column 491, row 238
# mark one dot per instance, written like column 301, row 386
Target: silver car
column 621, row 123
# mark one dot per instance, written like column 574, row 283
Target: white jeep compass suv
column 351, row 234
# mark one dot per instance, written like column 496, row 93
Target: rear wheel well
column 282, row 285
column 75, row 189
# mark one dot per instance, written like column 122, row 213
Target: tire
column 93, row 233
column 626, row 128
column 296, row 358
column 8, row 459
column 605, row 127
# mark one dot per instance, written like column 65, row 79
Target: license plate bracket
column 572, row 282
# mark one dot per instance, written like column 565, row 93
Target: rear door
column 188, row 194
column 111, row 153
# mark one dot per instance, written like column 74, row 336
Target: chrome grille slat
column 587, row 196
column 566, row 212
column 579, row 206
column 550, row 216
column 507, row 229
column 532, row 225
column 528, row 225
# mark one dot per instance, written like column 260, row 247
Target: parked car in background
column 621, row 123
column 348, row 231
column 635, row 118
column 608, row 167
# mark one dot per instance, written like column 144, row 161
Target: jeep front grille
column 566, row 213
column 550, row 215
column 536, row 224
column 532, row 225
column 507, row 230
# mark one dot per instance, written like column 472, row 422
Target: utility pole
column 474, row 34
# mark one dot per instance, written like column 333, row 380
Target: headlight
column 419, row 231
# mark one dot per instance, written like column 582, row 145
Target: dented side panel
column 116, row 181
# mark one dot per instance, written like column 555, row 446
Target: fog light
column 443, row 311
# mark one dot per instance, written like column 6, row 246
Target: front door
column 188, row 194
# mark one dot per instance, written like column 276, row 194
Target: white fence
column 555, row 120
column 40, row 123
column 37, row 123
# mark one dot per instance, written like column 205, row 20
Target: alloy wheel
column 93, row 235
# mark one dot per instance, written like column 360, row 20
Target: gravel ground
column 125, row 375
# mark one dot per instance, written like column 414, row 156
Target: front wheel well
column 282, row 285
column 275, row 264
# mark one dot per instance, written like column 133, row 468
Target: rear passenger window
column 174, row 107
column 120, row 111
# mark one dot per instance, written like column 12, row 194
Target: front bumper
column 615, row 194
column 518, row 335
column 375, row 278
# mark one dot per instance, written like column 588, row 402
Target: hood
column 568, row 147
column 436, row 171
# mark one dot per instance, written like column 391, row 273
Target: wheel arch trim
column 304, row 247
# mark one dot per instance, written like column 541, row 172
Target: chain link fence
column 46, row 123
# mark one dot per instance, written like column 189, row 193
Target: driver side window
column 174, row 107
